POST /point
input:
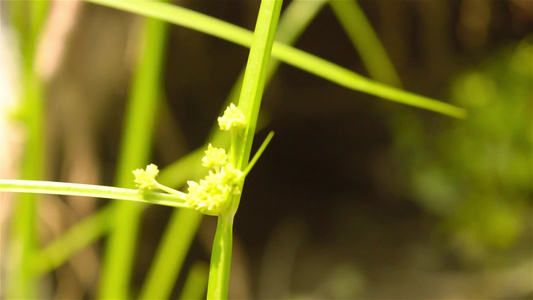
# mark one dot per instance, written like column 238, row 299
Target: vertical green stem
column 22, row 281
column 171, row 252
column 23, row 234
column 221, row 259
column 249, row 103
column 134, row 153
column 180, row 233
column 196, row 282
column 255, row 76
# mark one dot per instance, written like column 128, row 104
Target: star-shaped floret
column 232, row 118
column 145, row 179
column 214, row 157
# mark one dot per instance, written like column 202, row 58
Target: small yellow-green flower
column 232, row 118
column 145, row 179
column 214, row 157
column 212, row 194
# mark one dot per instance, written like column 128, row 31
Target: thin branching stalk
column 249, row 103
column 171, row 251
column 90, row 190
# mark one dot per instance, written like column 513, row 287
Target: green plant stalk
column 177, row 240
column 88, row 230
column 249, row 103
column 255, row 78
column 297, row 58
column 292, row 23
column 219, row 270
column 295, row 19
column 351, row 80
column 171, row 252
column 21, row 281
column 196, row 282
column 366, row 41
column 258, row 154
column 134, row 153
column 89, row 190
column 77, row 238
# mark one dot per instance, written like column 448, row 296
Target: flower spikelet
column 212, row 194
column 214, row 157
column 232, row 118
column 145, row 179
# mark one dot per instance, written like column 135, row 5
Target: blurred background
column 356, row 197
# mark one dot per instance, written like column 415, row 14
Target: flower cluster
column 211, row 194
column 232, row 118
column 214, row 157
column 145, row 179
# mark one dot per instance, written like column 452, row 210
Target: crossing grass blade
column 297, row 58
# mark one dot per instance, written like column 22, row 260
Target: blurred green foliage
column 476, row 174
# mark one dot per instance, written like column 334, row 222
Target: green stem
column 171, row 252
column 258, row 154
column 249, row 103
column 221, row 259
column 134, row 153
column 196, row 282
column 21, row 280
column 292, row 23
column 255, row 77
column 83, row 233
column 366, row 41
column 169, row 259
column 89, row 190
column 22, row 283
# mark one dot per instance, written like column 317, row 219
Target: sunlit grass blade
column 175, row 243
column 78, row 237
column 366, row 41
column 349, row 79
column 297, row 58
column 196, row 282
column 134, row 153
column 21, row 281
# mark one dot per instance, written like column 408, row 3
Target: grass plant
column 120, row 219
column 171, row 252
